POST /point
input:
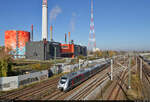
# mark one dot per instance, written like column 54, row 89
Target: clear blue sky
column 119, row 24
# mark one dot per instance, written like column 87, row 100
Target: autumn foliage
column 105, row 54
column 5, row 62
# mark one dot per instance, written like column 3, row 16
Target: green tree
column 5, row 63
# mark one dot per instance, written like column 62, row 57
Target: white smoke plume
column 72, row 22
column 55, row 12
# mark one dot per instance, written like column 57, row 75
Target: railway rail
column 116, row 88
column 47, row 90
column 29, row 90
column 62, row 95
column 146, row 81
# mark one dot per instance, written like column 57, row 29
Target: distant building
column 97, row 49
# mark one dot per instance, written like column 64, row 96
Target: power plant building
column 23, row 47
column 42, row 50
column 71, row 50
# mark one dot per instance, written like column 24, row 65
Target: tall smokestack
column 65, row 38
column 31, row 33
column 44, row 20
column 51, row 33
column 69, row 37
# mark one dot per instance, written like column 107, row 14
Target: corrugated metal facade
column 38, row 50
column 67, row 50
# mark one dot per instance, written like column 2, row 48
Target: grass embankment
column 135, row 93
column 19, row 65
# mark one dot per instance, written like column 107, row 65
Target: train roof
column 73, row 74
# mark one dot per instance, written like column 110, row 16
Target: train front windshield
column 63, row 80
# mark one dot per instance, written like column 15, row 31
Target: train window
column 79, row 77
column 70, row 83
column 63, row 80
column 76, row 79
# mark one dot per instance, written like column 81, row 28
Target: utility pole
column 129, row 83
column 55, row 57
column 79, row 64
column 111, row 69
column 141, row 69
column 124, row 58
column 136, row 63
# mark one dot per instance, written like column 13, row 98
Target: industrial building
column 23, row 46
column 41, row 50
column 71, row 50
column 45, row 50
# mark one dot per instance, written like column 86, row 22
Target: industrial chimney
column 44, row 20
column 69, row 37
column 65, row 38
column 31, row 38
column 51, row 33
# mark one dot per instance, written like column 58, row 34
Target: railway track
column 80, row 92
column 146, row 82
column 62, row 95
column 97, row 82
column 29, row 90
column 118, row 84
column 47, row 90
column 84, row 92
column 90, row 89
column 35, row 93
column 115, row 89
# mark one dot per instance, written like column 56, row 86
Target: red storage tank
column 14, row 38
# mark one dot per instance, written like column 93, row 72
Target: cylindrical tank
column 16, row 40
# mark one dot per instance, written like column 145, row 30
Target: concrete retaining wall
column 32, row 77
column 8, row 83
